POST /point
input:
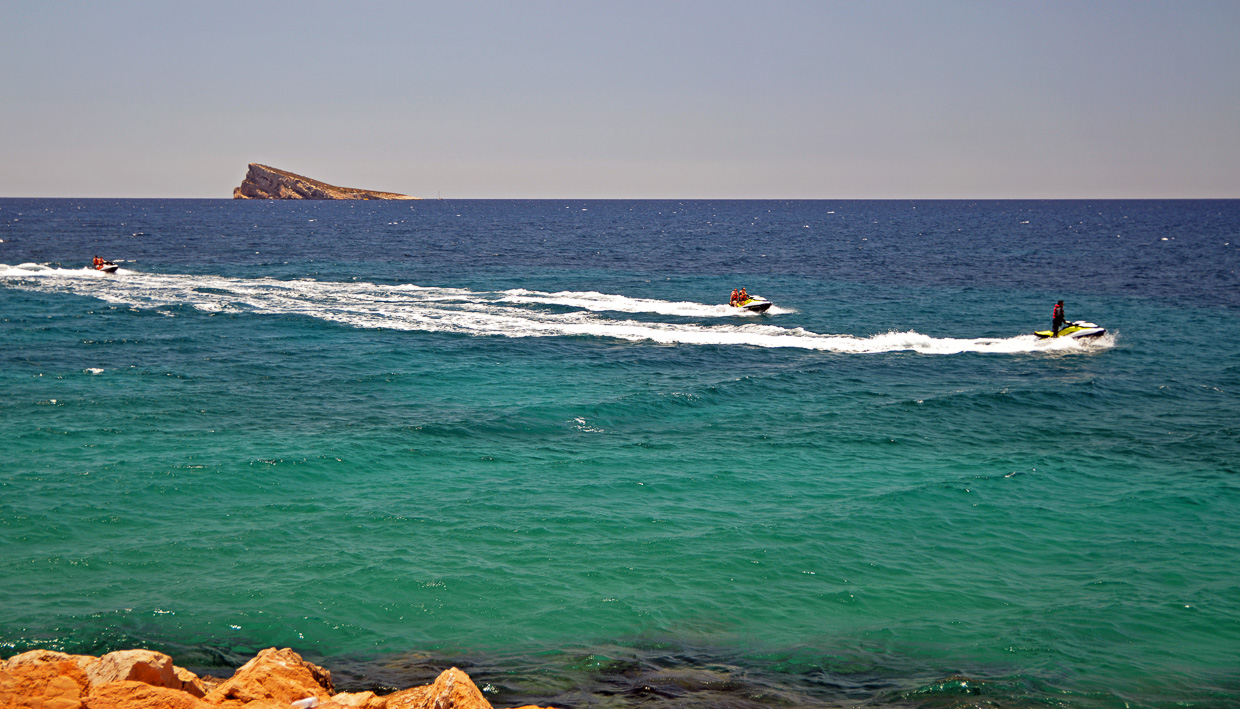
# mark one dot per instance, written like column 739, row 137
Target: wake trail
column 509, row 313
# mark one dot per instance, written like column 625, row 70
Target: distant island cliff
column 266, row 182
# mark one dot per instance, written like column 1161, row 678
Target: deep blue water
column 524, row 437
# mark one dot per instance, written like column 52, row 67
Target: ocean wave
column 512, row 313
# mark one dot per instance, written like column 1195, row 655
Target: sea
column 530, row 439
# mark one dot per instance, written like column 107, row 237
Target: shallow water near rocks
column 528, row 439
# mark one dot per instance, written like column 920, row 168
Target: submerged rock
column 265, row 182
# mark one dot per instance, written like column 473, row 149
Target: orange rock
column 59, row 692
column 209, row 683
column 412, row 698
column 153, row 668
column 35, row 657
column 35, row 683
column 62, row 693
column 274, row 674
column 358, row 700
column 453, row 689
column 256, row 704
column 189, row 681
column 132, row 694
column 142, row 679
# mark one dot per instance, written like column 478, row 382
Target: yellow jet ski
column 1077, row 330
column 754, row 303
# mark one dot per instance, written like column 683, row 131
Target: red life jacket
column 1057, row 312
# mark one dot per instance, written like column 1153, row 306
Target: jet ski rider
column 1057, row 319
column 736, row 297
column 98, row 263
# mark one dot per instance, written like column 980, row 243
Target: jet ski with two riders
column 752, row 303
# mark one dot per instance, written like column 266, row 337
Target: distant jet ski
column 1077, row 330
column 104, row 265
column 755, row 303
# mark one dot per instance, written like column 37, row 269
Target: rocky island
column 266, row 182
column 143, row 679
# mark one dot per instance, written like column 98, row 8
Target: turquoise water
column 525, row 438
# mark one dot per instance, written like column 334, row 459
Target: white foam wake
column 606, row 302
column 509, row 313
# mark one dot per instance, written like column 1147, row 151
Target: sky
column 811, row 99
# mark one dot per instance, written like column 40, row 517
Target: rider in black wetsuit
column 1057, row 319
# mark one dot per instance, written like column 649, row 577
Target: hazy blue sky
column 624, row 99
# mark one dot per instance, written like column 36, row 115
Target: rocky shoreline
column 144, row 679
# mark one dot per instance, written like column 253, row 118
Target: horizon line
column 671, row 199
